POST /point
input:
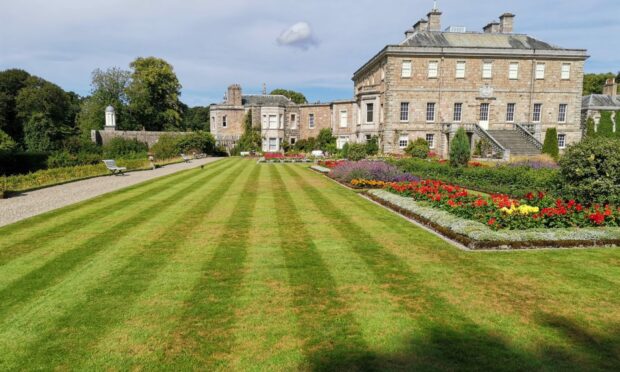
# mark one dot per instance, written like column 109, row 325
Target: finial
column 435, row 5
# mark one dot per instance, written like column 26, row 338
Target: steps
column 513, row 141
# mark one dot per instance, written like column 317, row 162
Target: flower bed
column 477, row 235
column 503, row 212
column 330, row 163
column 348, row 171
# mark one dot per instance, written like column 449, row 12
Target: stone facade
column 494, row 79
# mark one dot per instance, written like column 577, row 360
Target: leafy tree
column 593, row 83
column 41, row 96
column 418, row 148
column 108, row 88
column 296, row 97
column 550, row 146
column 42, row 134
column 6, row 143
column 153, row 95
column 196, row 118
column 460, row 150
column 590, row 128
column 200, row 142
column 372, row 146
column 11, row 82
column 325, row 139
column 605, row 125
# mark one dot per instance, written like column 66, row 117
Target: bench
column 112, row 167
column 186, row 158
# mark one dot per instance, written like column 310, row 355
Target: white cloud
column 298, row 35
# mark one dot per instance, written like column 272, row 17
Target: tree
column 605, row 125
column 296, row 97
column 593, row 83
column 11, row 82
column 42, row 134
column 325, row 140
column 196, row 118
column 153, row 95
column 590, row 128
column 550, row 146
column 6, row 143
column 251, row 139
column 108, row 88
column 460, row 150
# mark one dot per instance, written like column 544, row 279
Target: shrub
column 590, row 171
column 357, row 151
column 550, row 147
column 418, row 149
column 511, row 180
column 199, row 142
column 166, row 147
column 590, row 128
column 344, row 152
column 22, row 162
column 120, row 147
column 66, row 159
column 325, row 139
column 617, row 124
column 6, row 143
column 372, row 146
column 460, row 151
column 605, row 126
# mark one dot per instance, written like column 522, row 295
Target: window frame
column 561, row 140
column 404, row 112
column 563, row 72
column 511, row 109
column 537, row 113
column 403, row 139
column 433, row 73
column 346, row 118
column 490, row 70
column 430, row 105
column 311, row 121
column 515, row 71
column 460, row 73
column 487, row 112
column 403, row 69
column 431, row 141
column 540, row 72
column 460, row 112
column 224, row 121
column 562, row 113
column 370, row 113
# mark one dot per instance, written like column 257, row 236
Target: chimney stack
column 492, row 28
column 234, row 95
column 610, row 88
column 506, row 23
column 434, row 20
column 421, row 25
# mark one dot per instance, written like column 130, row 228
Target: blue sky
column 312, row 46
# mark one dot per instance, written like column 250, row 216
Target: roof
column 109, row 109
column 600, row 101
column 476, row 40
column 265, row 100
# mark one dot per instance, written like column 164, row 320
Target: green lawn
column 273, row 267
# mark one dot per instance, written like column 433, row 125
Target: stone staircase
column 513, row 140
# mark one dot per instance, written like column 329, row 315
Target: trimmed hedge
column 514, row 181
column 22, row 162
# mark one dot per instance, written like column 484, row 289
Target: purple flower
column 370, row 170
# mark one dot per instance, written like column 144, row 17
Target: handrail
column 528, row 136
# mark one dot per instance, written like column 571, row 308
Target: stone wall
column 322, row 119
column 103, row 137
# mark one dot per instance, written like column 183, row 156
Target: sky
column 312, row 46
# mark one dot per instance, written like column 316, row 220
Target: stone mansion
column 500, row 86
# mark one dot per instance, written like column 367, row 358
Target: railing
column 527, row 131
column 453, row 127
column 497, row 147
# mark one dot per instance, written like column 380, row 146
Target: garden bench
column 186, row 158
column 112, row 167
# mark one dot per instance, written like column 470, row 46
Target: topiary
column 590, row 171
column 550, row 146
column 356, row 151
column 590, row 128
column 605, row 125
column 460, row 150
column 418, row 149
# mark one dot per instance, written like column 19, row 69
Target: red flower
column 492, row 221
column 530, row 196
column 597, row 218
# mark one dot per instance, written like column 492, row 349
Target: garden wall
column 102, row 137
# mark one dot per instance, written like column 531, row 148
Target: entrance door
column 484, row 116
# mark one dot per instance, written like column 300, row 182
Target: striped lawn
column 241, row 266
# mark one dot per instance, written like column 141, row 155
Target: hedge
column 514, row 181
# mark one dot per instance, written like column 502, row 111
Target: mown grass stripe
column 34, row 222
column 72, row 226
column 205, row 329
column 331, row 335
column 56, row 269
column 110, row 300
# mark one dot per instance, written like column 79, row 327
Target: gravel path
column 36, row 202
